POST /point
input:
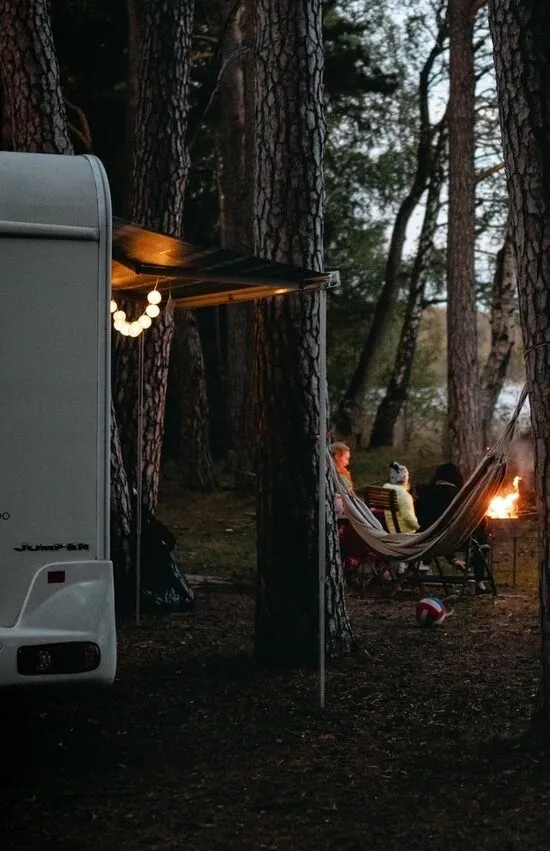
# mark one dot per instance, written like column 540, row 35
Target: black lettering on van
column 32, row 548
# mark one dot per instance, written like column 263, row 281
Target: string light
column 135, row 328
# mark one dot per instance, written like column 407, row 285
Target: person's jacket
column 405, row 510
column 432, row 501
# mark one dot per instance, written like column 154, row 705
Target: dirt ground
column 420, row 746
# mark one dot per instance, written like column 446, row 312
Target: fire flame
column 505, row 505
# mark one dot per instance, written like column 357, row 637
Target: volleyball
column 430, row 611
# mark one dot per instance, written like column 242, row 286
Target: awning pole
column 139, row 476
column 322, row 484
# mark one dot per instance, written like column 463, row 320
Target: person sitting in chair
column 433, row 499
column 341, row 454
column 399, row 482
column 351, row 544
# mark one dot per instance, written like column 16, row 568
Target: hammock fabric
column 457, row 522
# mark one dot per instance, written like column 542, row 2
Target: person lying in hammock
column 433, row 499
column 399, row 482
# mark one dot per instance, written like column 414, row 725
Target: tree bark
column 236, row 226
column 132, row 90
column 350, row 411
column 521, row 38
column 396, row 394
column 289, row 228
column 463, row 420
column 196, row 460
column 503, row 325
column 157, row 192
column 29, row 72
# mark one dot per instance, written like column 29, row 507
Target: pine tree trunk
column 161, row 160
column 464, row 425
column 132, row 91
column 236, row 230
column 521, row 37
column 157, row 192
column 398, row 387
column 122, row 541
column 29, row 72
column 503, row 324
column 196, row 461
column 289, row 228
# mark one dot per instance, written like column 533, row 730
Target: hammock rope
column 458, row 521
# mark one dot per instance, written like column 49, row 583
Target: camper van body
column 57, row 621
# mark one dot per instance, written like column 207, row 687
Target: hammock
column 454, row 526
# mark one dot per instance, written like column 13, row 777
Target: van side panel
column 51, row 438
column 54, row 425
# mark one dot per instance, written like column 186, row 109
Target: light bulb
column 154, row 297
column 114, row 305
column 117, row 324
column 124, row 328
column 135, row 329
column 119, row 316
column 145, row 321
column 152, row 310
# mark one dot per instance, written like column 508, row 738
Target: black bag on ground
column 163, row 585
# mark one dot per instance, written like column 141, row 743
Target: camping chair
column 365, row 560
column 380, row 500
column 476, row 550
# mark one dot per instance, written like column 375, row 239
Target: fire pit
column 504, row 506
column 503, row 521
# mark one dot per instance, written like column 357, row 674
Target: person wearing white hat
column 399, row 482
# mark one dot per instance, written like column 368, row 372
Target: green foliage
column 369, row 168
column 371, row 467
column 351, row 67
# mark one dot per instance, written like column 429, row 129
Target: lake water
column 436, row 398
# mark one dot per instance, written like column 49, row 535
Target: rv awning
column 198, row 277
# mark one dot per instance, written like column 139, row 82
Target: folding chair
column 382, row 499
column 472, row 550
column 379, row 500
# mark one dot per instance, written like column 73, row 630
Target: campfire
column 505, row 505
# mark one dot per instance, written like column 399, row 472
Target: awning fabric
column 198, row 277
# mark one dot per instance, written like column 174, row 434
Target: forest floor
column 423, row 744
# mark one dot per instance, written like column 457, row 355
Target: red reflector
column 56, row 576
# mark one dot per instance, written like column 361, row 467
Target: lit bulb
column 114, row 305
column 154, row 297
column 135, row 329
column 145, row 321
column 152, row 310
column 117, row 324
column 124, row 328
column 119, row 316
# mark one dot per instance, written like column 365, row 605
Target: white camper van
column 56, row 581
